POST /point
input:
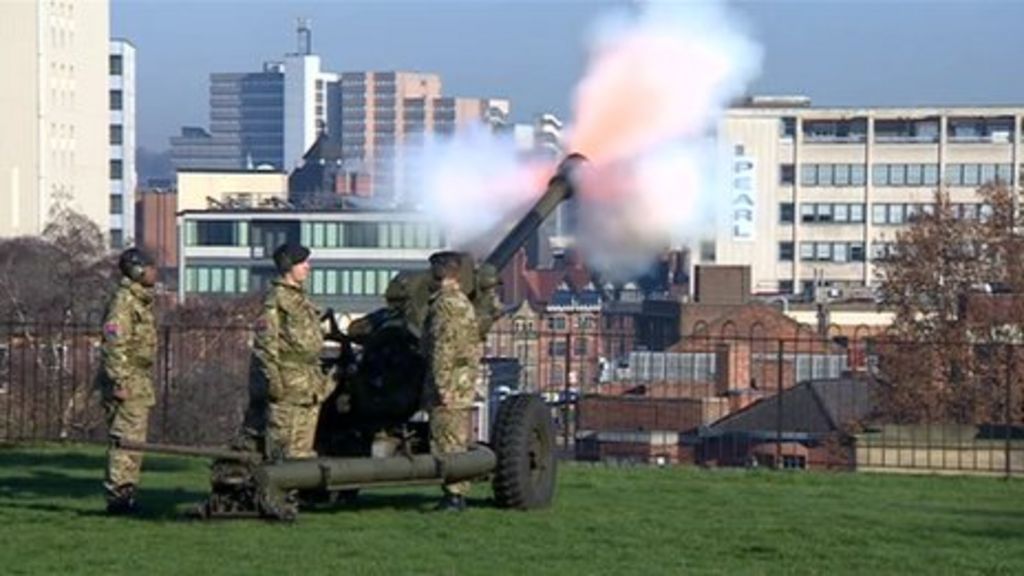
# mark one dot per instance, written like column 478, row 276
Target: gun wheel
column 524, row 442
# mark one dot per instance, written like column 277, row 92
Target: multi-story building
column 384, row 115
column 273, row 117
column 824, row 191
column 238, row 189
column 247, row 123
column 123, row 176
column 306, row 91
column 354, row 254
column 54, row 146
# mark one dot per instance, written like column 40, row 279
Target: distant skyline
column 858, row 53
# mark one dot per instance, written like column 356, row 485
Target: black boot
column 451, row 503
column 121, row 500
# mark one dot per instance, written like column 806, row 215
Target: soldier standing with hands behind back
column 288, row 384
column 126, row 374
column 450, row 344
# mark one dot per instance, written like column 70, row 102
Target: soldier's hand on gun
column 121, row 394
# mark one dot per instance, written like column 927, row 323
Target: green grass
column 605, row 521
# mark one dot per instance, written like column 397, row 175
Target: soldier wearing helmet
column 126, row 380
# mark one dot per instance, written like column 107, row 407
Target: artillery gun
column 369, row 435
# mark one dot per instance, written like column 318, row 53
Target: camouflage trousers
column 450, row 430
column 125, row 421
column 291, row 429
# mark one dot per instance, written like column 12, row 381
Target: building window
column 556, row 348
column 839, row 252
column 841, row 213
column 215, row 233
column 809, row 175
column 823, row 251
column 556, row 323
column 807, row 250
column 116, row 170
column 787, row 127
column 787, row 174
column 856, row 251
column 824, row 212
column 856, row 212
column 857, row 175
column 116, row 134
column 116, row 238
column 786, row 212
column 785, row 251
column 807, row 213
column 116, row 98
column 116, row 64
column 116, row 204
column 880, row 174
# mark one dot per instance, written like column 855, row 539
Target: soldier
column 126, row 380
column 288, row 384
column 450, row 344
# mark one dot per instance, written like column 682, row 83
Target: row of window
column 329, row 281
column 995, row 129
column 839, row 252
column 904, row 213
column 217, row 279
column 419, row 235
column 350, row 282
column 823, row 212
column 881, row 213
column 896, row 175
column 372, row 235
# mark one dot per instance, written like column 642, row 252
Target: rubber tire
column 524, row 442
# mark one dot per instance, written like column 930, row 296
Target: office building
column 123, row 175
column 354, row 254
column 824, row 191
column 54, row 145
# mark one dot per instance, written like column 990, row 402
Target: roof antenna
column 305, row 36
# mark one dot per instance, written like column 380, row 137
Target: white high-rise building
column 305, row 98
column 123, row 176
column 55, row 119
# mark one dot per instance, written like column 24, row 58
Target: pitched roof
column 812, row 407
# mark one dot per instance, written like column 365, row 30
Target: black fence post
column 566, row 387
column 1008, row 411
column 166, row 384
column 778, row 403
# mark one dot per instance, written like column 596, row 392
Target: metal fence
column 846, row 400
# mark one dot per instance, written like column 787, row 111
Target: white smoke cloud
column 471, row 183
column 658, row 80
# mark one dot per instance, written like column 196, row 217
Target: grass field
column 605, row 521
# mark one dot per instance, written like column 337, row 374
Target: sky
column 838, row 52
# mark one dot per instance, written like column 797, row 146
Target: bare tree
column 939, row 281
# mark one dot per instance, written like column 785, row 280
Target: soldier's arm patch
column 111, row 329
column 261, row 325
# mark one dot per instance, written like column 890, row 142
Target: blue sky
column 852, row 52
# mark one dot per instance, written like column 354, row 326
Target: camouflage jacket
column 450, row 344
column 287, row 347
column 129, row 343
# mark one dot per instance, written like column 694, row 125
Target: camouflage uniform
column 451, row 346
column 128, row 354
column 287, row 372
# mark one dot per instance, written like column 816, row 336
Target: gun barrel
column 336, row 473
column 560, row 189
